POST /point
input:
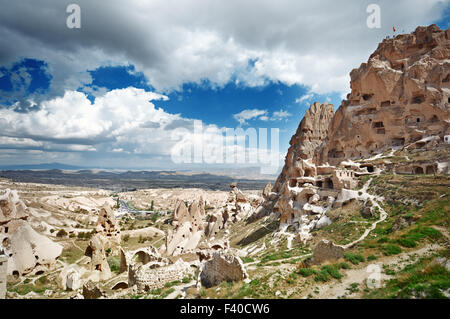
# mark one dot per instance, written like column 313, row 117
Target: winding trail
column 383, row 215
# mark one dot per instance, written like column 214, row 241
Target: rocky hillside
column 400, row 96
column 398, row 108
column 310, row 134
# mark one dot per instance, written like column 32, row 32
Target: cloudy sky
column 115, row 92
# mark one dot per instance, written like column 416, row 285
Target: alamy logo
column 231, row 146
column 374, row 19
column 74, row 19
column 374, row 278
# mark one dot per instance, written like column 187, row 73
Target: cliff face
column 310, row 134
column 399, row 96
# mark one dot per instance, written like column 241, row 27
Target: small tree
column 152, row 206
column 61, row 233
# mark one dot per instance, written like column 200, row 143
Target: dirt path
column 383, row 215
column 337, row 289
column 181, row 290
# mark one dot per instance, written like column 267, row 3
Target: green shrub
column 173, row 283
column 333, row 271
column 322, row 276
column 167, row 292
column 61, row 233
column 306, row 272
column 156, row 291
column 371, row 257
column 247, row 259
column 114, row 264
column 343, row 266
column 391, row 249
column 431, row 233
column 407, row 242
column 355, row 259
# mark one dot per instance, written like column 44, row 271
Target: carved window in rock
column 378, row 124
column 418, row 99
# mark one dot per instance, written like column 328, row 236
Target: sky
column 126, row 88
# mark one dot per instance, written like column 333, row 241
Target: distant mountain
column 129, row 180
column 46, row 166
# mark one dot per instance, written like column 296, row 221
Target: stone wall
column 146, row 278
column 222, row 267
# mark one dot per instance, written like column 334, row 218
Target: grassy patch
column 355, row 259
column 306, row 272
column 423, row 279
column 391, row 249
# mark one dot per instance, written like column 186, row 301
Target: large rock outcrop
column 107, row 225
column 399, row 98
column 310, row 134
column 26, row 248
column 188, row 230
column 325, row 251
column 401, row 95
column 98, row 264
column 295, row 203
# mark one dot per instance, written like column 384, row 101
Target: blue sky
column 107, row 94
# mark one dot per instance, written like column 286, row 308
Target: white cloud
column 304, row 98
column 280, row 115
column 296, row 42
column 245, row 115
column 118, row 122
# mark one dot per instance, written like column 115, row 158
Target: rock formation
column 107, row 225
column 188, row 228
column 98, row 263
column 3, row 274
column 326, row 250
column 26, row 248
column 222, row 267
column 236, row 208
column 92, row 290
column 400, row 99
column 401, row 95
column 310, row 133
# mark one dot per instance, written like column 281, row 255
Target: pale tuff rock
column 146, row 278
column 107, row 225
column 206, row 251
column 400, row 96
column 267, row 205
column 3, row 273
column 144, row 256
column 221, row 267
column 73, row 281
column 98, row 264
column 310, row 133
column 236, row 208
column 325, row 251
column 188, row 228
column 344, row 179
column 70, row 278
column 26, row 248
